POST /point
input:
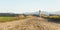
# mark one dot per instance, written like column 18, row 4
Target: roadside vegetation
column 55, row 19
column 52, row 17
column 13, row 18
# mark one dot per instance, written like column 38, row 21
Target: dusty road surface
column 30, row 24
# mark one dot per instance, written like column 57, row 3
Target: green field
column 5, row 19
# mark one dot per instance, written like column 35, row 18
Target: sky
column 21, row 6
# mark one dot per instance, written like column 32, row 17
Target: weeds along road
column 30, row 24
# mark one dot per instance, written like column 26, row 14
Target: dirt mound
column 30, row 24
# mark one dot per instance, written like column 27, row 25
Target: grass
column 4, row 19
column 10, row 18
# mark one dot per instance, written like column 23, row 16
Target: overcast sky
column 20, row 6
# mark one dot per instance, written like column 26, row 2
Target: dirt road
column 30, row 24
